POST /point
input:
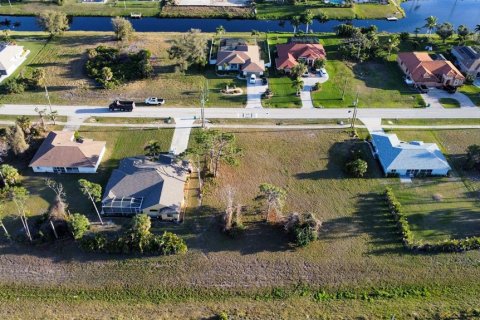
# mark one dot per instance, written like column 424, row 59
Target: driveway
column 434, row 94
column 254, row 94
column 308, row 83
column 181, row 135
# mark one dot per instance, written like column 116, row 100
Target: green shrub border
column 450, row 245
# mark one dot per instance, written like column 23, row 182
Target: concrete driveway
column 254, row 94
column 181, row 135
column 308, row 83
column 434, row 95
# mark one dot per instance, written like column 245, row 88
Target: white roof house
column 11, row 57
column 409, row 158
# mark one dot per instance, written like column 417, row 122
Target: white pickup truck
column 154, row 101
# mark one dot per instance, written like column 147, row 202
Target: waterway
column 457, row 12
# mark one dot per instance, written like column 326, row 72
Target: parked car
column 422, row 88
column 154, row 101
column 306, row 74
column 119, row 105
column 408, row 81
column 264, row 81
column 323, row 72
column 253, row 79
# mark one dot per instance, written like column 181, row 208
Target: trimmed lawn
column 284, row 95
column 433, row 122
column 472, row 92
column 449, row 103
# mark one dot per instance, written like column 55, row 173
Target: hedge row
column 453, row 245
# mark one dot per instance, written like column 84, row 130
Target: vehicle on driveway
column 119, row 105
column 422, row 88
column 154, row 101
column 264, row 81
column 323, row 72
column 306, row 74
column 253, row 79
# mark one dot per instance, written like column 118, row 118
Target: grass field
column 258, row 275
column 64, row 58
column 433, row 122
column 284, row 95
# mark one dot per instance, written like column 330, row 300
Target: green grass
column 449, row 103
column 428, row 122
column 472, row 92
column 284, row 95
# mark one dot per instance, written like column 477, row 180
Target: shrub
column 317, row 86
column 304, row 228
column 14, row 86
column 79, row 225
column 357, row 168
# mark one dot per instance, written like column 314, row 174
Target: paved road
column 232, row 113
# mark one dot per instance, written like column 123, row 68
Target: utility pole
column 355, row 110
column 203, row 101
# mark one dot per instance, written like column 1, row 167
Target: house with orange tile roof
column 238, row 55
column 290, row 54
column 423, row 70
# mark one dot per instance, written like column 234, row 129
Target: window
column 72, row 170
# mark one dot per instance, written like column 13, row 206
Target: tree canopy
column 189, row 49
column 54, row 22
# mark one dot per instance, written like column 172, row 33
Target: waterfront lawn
column 64, row 59
column 284, row 94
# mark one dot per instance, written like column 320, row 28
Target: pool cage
column 125, row 206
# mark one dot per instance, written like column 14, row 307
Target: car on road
column 119, row 105
column 253, row 79
column 323, row 72
column 154, row 101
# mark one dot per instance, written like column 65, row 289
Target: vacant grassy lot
column 284, row 94
column 359, row 250
column 121, row 142
column 64, row 61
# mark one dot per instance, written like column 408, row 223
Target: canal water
column 457, row 12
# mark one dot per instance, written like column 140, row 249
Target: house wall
column 162, row 212
column 417, row 171
column 52, row 170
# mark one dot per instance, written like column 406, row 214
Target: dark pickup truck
column 119, row 105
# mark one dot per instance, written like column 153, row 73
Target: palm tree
column 220, row 30
column 295, row 21
column 307, row 19
column 431, row 23
column 392, row 44
column 416, row 31
column 322, row 17
column 153, row 149
column 274, row 197
column 297, row 83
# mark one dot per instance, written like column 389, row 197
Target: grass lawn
column 284, row 95
column 64, row 58
column 121, row 142
column 472, row 92
column 449, row 103
column 258, row 275
column 433, row 122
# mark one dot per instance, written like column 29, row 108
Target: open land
column 259, row 275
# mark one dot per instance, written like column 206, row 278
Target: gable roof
column 240, row 53
column 59, row 149
column 289, row 53
column 395, row 154
column 467, row 54
column 8, row 55
column 154, row 182
column 423, row 68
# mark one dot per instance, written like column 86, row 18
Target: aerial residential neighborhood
column 240, row 159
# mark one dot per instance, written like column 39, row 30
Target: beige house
column 143, row 186
column 423, row 70
column 468, row 59
column 11, row 57
column 61, row 153
column 237, row 55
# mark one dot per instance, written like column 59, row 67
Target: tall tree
column 153, row 149
column 307, row 19
column 416, row 31
column 220, row 30
column 19, row 196
column 295, row 21
column 216, row 147
column 9, row 174
column 298, row 70
column 94, row 193
column 41, row 114
column 53, row 115
column 122, row 28
column 25, row 123
column 462, row 33
column 53, row 22
column 39, row 77
column 189, row 49
column 445, row 31
column 274, row 198
column 322, row 17
column 431, row 23
column 392, row 44
column 298, row 84
column 16, row 139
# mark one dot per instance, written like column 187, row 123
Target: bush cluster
column 138, row 239
column 26, row 81
column 303, row 227
column 109, row 67
column 450, row 245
